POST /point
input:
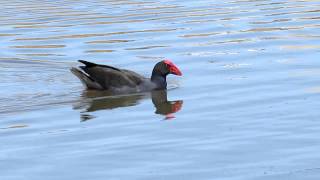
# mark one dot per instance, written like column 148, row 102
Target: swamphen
column 115, row 80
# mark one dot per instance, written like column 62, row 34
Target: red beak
column 175, row 70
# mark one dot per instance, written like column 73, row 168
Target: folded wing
column 110, row 77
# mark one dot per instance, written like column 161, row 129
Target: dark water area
column 246, row 106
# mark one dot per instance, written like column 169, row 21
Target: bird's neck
column 159, row 80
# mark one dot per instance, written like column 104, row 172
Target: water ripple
column 246, row 107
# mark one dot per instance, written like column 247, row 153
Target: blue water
column 245, row 107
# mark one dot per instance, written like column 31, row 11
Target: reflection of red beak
column 169, row 117
column 175, row 70
column 176, row 106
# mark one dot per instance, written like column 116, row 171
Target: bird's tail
column 87, row 63
column 85, row 79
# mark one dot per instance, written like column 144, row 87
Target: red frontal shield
column 173, row 68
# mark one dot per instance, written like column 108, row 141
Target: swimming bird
column 116, row 80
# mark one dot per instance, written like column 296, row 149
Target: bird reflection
column 163, row 106
column 100, row 100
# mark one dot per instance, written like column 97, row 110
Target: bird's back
column 110, row 77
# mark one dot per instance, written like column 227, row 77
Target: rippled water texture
column 246, row 107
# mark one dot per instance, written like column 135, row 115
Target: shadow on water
column 92, row 101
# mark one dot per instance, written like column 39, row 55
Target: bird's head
column 165, row 67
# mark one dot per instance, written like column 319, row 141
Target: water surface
column 246, row 107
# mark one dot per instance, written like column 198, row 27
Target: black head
column 160, row 72
column 165, row 67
